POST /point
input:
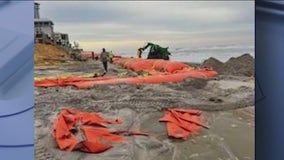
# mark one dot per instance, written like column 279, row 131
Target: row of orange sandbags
column 161, row 72
column 84, row 83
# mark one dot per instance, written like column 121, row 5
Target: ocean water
column 199, row 54
column 222, row 53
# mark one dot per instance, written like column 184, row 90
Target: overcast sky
column 125, row 25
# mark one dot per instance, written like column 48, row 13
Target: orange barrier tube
column 68, row 81
column 137, row 64
column 157, row 79
column 83, row 83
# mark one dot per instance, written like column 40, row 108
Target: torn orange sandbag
column 76, row 130
column 181, row 123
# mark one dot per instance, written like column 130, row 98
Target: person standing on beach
column 139, row 52
column 104, row 59
column 93, row 55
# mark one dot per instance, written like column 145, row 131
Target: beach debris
column 181, row 123
column 87, row 132
column 143, row 73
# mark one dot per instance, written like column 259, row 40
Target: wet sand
column 227, row 103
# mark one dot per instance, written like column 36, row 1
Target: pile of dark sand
column 212, row 62
column 240, row 66
column 237, row 66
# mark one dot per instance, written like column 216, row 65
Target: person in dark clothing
column 139, row 52
column 104, row 59
column 93, row 55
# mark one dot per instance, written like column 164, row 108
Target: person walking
column 104, row 59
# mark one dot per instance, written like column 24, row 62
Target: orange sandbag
column 138, row 64
column 90, row 84
column 127, row 64
column 176, row 131
column 181, row 123
column 174, row 66
column 159, row 65
column 99, row 139
column 52, row 82
column 143, row 64
column 120, row 61
column 86, row 132
column 168, row 66
column 150, row 64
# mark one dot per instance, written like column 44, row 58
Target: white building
column 42, row 25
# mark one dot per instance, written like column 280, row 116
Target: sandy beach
column 227, row 102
